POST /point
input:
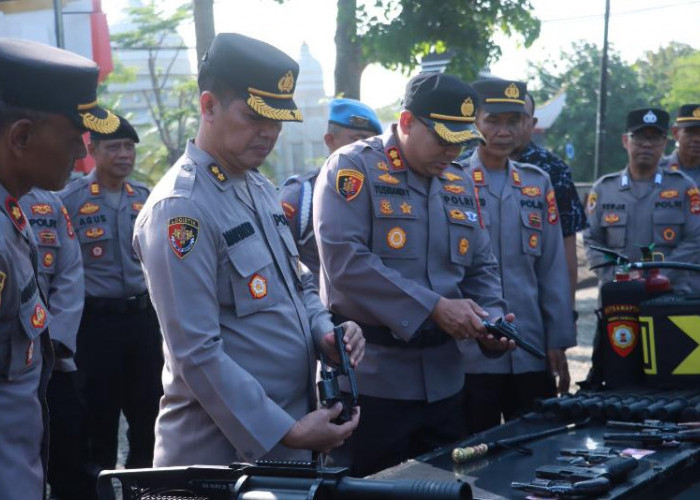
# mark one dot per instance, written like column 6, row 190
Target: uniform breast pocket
column 531, row 232
column 292, row 250
column 668, row 225
column 254, row 278
column 96, row 243
column 462, row 227
column 615, row 225
column 24, row 344
column 394, row 228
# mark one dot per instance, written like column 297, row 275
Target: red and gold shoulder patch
column 668, row 194
column 258, row 286
column 38, row 319
column 182, row 235
column 15, row 213
column 94, row 188
column 69, row 223
column 396, row 238
column 88, row 208
column 94, row 232
column 349, row 183
column 129, row 190
column 41, row 209
column 454, row 188
column 289, row 210
column 552, row 212
column 531, row 191
column 388, row 178
column 591, row 202
column 694, row 196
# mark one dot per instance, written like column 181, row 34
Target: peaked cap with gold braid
column 43, row 78
column 501, row 96
column 446, row 104
column 264, row 75
column 688, row 116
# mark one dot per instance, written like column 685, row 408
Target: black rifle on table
column 328, row 387
column 654, row 432
column 502, row 328
column 282, row 481
column 580, row 480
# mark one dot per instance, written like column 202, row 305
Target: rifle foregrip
column 462, row 455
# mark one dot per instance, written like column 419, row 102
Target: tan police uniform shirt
column 668, row 216
column 391, row 244
column 240, row 329
column 526, row 237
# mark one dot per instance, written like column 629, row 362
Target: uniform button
column 404, row 323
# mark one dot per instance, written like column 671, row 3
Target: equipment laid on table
column 654, row 432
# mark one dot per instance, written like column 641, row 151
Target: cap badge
column 286, row 83
column 512, row 91
column 467, row 107
column 650, row 117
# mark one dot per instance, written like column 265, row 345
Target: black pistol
column 328, row 388
column 502, row 328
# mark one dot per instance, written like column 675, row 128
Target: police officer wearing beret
column 686, row 131
column 119, row 345
column 60, row 276
column 404, row 254
column 645, row 204
column 241, row 329
column 40, row 139
column 349, row 121
column 519, row 209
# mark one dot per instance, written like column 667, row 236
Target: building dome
column 310, row 72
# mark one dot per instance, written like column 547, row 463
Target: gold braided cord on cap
column 266, row 111
column 83, row 107
column 437, row 116
column 105, row 125
column 517, row 101
column 688, row 119
column 263, row 93
column 456, row 137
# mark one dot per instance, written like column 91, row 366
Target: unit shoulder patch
column 348, row 183
column 182, row 235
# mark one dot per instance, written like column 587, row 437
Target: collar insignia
column 478, row 177
column 94, row 188
column 217, row 173
column 395, row 159
column 15, row 213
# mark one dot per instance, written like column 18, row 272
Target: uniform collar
column 96, row 189
column 208, row 165
column 393, row 154
column 625, row 178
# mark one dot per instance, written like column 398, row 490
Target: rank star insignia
column 38, row 319
column 452, row 177
column 669, row 234
column 406, row 208
column 396, row 238
column 463, row 246
column 88, row 208
column 15, row 213
column 258, row 286
column 457, row 214
column 47, row 259
column 611, row 218
column 182, row 235
column 531, row 191
column 388, row 178
column 69, row 223
column 454, row 188
column 217, row 173
column 41, row 209
column 395, row 158
column 533, row 241
column 383, row 166
column 385, row 207
column 348, row 183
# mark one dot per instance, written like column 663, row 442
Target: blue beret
column 350, row 113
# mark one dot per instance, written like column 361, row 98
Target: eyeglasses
column 442, row 142
column 652, row 139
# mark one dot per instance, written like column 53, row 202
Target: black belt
column 429, row 335
column 133, row 304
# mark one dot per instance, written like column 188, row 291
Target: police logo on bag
column 182, row 235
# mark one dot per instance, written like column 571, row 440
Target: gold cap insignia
column 467, row 108
column 512, row 91
column 286, row 83
column 696, row 112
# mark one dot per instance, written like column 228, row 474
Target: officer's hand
column 354, row 343
column 560, row 369
column 316, row 431
column 490, row 342
column 459, row 318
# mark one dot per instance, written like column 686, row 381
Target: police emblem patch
column 258, row 286
column 389, row 179
column 88, row 208
column 454, row 188
column 623, row 336
column 38, row 319
column 591, row 203
column 349, row 183
column 463, row 246
column 97, row 251
column 48, row 259
column 669, row 234
column 531, row 191
column 69, row 223
column 182, row 235
column 41, row 209
column 396, row 238
column 406, row 208
column 533, row 240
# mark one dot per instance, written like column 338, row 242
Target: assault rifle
column 654, row 432
column 282, row 481
column 328, row 387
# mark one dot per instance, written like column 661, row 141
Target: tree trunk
column 348, row 52
column 203, row 26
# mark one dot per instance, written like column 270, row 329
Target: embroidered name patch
column 238, row 233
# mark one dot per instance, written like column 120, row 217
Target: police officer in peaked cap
column 686, row 131
column 349, row 120
column 519, row 209
column 40, row 139
column 241, row 329
column 404, row 254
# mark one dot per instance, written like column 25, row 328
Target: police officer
column 644, row 204
column 119, row 346
column 61, row 279
column 241, row 330
column 403, row 253
column 349, row 121
column 686, row 131
column 40, row 139
column 519, row 209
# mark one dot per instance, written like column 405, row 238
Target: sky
column 636, row 26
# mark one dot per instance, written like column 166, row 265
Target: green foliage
column 656, row 71
column 684, row 88
column 578, row 73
